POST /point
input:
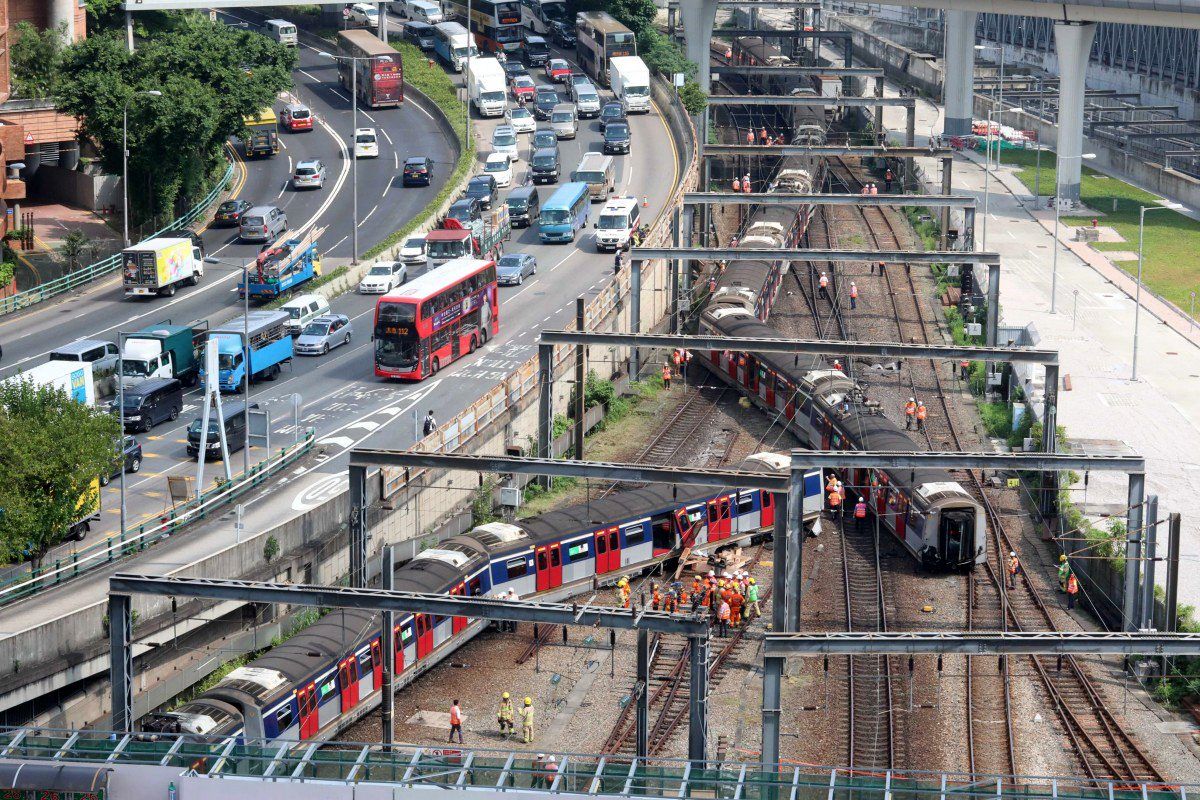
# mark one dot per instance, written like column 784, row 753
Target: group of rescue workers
column 915, row 414
column 731, row 599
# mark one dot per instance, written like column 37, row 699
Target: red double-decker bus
column 380, row 78
column 432, row 320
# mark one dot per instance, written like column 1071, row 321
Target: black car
column 563, row 34
column 617, row 136
column 611, row 111
column 537, row 51
column 132, row 461
column 466, row 211
column 544, row 103
column 543, row 138
column 543, row 166
column 513, row 68
column 483, row 189
column 418, row 171
column 229, row 213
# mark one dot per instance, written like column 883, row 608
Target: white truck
column 629, row 78
column 159, row 266
column 485, row 81
column 73, row 377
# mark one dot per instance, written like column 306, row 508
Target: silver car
column 309, row 174
column 262, row 224
column 323, row 334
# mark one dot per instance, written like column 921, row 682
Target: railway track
column 1104, row 750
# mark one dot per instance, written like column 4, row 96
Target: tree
column 694, row 98
column 74, row 245
column 210, row 76
column 663, row 55
column 54, row 450
column 36, row 59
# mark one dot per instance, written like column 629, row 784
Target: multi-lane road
column 342, row 399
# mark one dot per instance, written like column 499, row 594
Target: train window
column 283, row 717
column 516, row 567
column 634, row 534
column 556, row 557
column 329, row 687
column 364, row 662
column 577, row 551
column 745, row 504
column 406, row 634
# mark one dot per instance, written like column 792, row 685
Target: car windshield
column 520, row 113
column 463, row 212
column 446, row 249
column 557, row 64
column 544, row 139
column 543, row 161
column 293, row 311
column 417, row 243
column 545, row 97
column 509, row 261
column 228, row 360
column 194, row 428
column 613, row 222
column 504, row 139
column 365, row 138
column 616, row 131
column 317, row 328
column 612, row 110
column 496, row 165
column 561, row 116
column 589, row 97
column 524, row 82
column 555, row 217
column 134, row 368
column 516, row 204
column 380, row 269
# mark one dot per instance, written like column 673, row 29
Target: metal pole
column 698, row 705
column 1151, row 539
column 580, row 380
column 878, row 109
column 1174, row 521
column 1049, row 480
column 1133, row 541
column 635, row 313
column 947, row 174
column 969, row 229
column 125, row 164
column 1137, row 297
column 1000, row 98
column 987, row 174
column 120, row 665
column 773, row 667
column 382, row 32
column 993, row 305
column 643, row 693
column 129, row 30
column 1054, row 244
column 354, row 156
column 673, row 291
column 1037, row 170
column 795, row 552
column 121, row 418
column 545, row 442
column 387, row 639
column 246, row 364
column 358, row 527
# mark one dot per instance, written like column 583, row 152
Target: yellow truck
column 159, row 266
column 89, row 512
column 262, row 134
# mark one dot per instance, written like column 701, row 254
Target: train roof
column 598, row 513
column 321, row 643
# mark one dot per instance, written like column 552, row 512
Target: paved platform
column 51, row 224
column 1158, row 415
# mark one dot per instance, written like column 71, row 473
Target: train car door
column 458, row 623
column 687, row 532
column 423, row 629
column 900, row 511
column 542, row 564
column 601, row 552
column 768, row 383
column 826, row 433
column 306, row 703
column 768, row 509
column 881, row 493
column 608, row 550
column 377, row 661
column 556, row 565
column 718, row 519
column 348, row 683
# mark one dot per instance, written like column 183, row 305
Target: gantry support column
column 120, row 643
column 1133, row 547
column 947, row 187
column 960, row 72
column 1073, row 42
column 387, row 639
column 635, row 314
column 545, row 404
column 698, row 701
column 698, row 17
column 1049, row 480
column 358, row 527
column 643, row 693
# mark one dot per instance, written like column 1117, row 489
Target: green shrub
column 997, row 419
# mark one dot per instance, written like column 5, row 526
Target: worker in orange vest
column 910, row 413
column 887, row 181
column 746, row 183
column 735, row 608
column 835, row 501
column 750, row 137
column 723, row 613
column 964, row 369
column 1072, row 590
column 823, row 284
column 666, row 376
column 921, row 413
column 860, row 514
column 655, row 597
column 1014, row 566
column 853, row 295
column 737, row 185
column 455, row 722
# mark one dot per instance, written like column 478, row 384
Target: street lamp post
column 1137, row 297
column 125, row 169
column 987, row 172
column 1057, row 210
column 245, row 268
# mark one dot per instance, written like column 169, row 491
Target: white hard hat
column 1012, row 552
column 727, row 575
column 541, row 755
column 550, row 758
column 912, row 399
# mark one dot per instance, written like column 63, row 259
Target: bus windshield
column 397, row 353
column 555, row 216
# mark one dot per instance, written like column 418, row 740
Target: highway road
column 343, row 400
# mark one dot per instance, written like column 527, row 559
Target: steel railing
column 85, row 275
column 135, row 539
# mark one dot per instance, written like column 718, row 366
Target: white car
column 500, row 168
column 413, row 250
column 366, row 144
column 382, row 277
column 520, row 119
column 504, row 140
column 364, row 14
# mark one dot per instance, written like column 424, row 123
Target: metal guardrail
column 132, row 540
column 85, row 275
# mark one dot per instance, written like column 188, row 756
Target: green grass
column 1172, row 240
column 435, row 84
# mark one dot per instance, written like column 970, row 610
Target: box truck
column 159, row 266
column 72, row 377
column 164, row 350
column 630, row 81
column 485, row 81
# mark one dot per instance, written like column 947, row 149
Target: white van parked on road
column 282, row 31
column 616, row 223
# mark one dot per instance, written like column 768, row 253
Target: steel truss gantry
column 1036, row 643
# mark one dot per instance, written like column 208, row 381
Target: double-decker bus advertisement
column 496, row 24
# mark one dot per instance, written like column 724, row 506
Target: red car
column 523, row 88
column 558, row 70
column 296, row 117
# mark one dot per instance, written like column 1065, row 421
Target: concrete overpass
column 1074, row 30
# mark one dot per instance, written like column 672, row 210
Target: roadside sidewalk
column 1158, row 415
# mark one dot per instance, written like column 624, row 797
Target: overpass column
column 698, row 17
column 1074, row 43
column 960, row 72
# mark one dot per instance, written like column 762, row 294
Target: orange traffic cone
column 645, row 201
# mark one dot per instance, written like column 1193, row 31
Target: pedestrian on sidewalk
column 430, row 423
column 455, row 722
column 853, row 295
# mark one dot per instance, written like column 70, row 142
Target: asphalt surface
column 341, row 398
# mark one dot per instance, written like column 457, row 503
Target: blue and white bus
column 565, row 213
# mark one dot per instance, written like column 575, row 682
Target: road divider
column 135, row 540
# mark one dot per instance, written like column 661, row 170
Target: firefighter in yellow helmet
column 505, row 715
column 527, row 720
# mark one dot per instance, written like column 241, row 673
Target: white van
column 303, row 310
column 282, row 31
column 617, row 221
column 423, row 11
